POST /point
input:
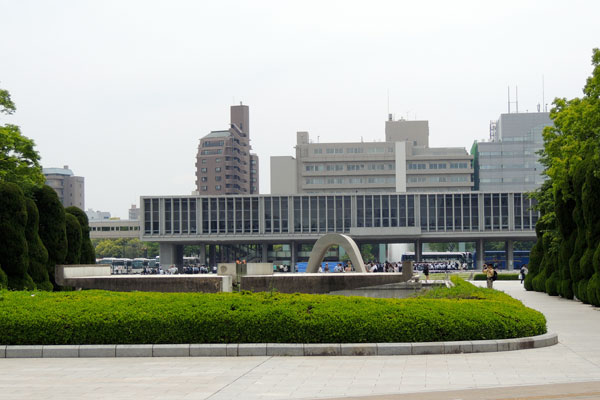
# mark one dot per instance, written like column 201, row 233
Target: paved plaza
column 569, row 370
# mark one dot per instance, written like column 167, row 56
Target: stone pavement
column 545, row 373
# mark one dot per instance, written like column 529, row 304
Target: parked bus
column 450, row 257
column 498, row 258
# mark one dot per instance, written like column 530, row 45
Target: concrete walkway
column 552, row 370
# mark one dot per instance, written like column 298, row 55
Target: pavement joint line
column 239, row 377
column 358, row 349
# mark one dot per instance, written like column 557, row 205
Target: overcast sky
column 122, row 91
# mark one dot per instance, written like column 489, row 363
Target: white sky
column 121, row 91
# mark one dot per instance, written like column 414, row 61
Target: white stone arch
column 325, row 242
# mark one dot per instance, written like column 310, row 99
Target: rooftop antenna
column 516, row 99
column 388, row 92
column 543, row 94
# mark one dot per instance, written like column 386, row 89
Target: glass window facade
column 313, row 214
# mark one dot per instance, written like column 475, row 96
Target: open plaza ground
column 569, row 370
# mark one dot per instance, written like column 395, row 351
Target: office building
column 224, row 164
column 70, row 188
column 404, row 162
column 509, row 160
column 134, row 213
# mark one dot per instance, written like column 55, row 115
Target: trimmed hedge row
column 501, row 277
column 102, row 317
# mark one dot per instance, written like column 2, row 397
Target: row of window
column 509, row 166
column 514, row 179
column 349, row 167
column 217, row 169
column 350, row 181
column 438, row 179
column 334, row 213
column 507, row 153
column 353, row 150
column 452, row 165
column 213, row 143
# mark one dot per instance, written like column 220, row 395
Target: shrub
column 73, row 239
column 582, row 291
column 99, row 317
column 566, row 286
column 593, row 289
column 88, row 255
column 13, row 243
column 552, row 284
column 38, row 255
column 539, row 281
column 501, row 277
column 52, row 227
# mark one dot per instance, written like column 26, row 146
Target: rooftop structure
column 69, row 188
column 509, row 161
column 224, row 164
column 403, row 163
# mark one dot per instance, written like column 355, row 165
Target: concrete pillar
column 265, row 253
column 212, row 255
column 510, row 258
column 418, row 250
column 167, row 255
column 294, row 256
column 480, row 253
column 179, row 257
column 382, row 252
column 202, row 253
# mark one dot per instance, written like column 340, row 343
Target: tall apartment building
column 224, row 164
column 509, row 161
column 134, row 213
column 70, row 188
column 404, row 162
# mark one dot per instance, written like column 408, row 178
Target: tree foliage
column 52, row 226
column 14, row 258
column 127, row 248
column 19, row 161
column 73, row 239
column 567, row 260
column 38, row 255
column 88, row 255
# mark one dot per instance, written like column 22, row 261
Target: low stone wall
column 317, row 283
column 80, row 276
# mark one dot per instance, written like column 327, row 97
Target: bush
column 38, row 255
column 52, row 227
column 582, row 291
column 593, row 290
column 566, row 291
column 100, row 317
column 552, row 284
column 73, row 239
column 528, row 283
column 501, row 277
column 88, row 255
column 3, row 280
column 13, row 243
column 539, row 282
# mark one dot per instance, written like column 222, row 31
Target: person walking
column 488, row 270
column 523, row 272
column 426, row 272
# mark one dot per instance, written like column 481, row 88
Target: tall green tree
column 19, row 161
column 571, row 226
column 73, row 239
column 52, row 227
column 38, row 255
column 14, row 257
column 88, row 255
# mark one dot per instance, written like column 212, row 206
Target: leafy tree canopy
column 19, row 161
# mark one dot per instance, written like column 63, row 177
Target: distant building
column 134, row 213
column 509, row 161
column 224, row 164
column 70, row 188
column 403, row 163
column 97, row 215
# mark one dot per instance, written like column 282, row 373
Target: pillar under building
column 480, row 253
column 171, row 254
column 510, row 257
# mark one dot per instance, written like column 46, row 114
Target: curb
column 277, row 349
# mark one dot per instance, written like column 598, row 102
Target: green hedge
column 102, row 317
column 501, row 277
